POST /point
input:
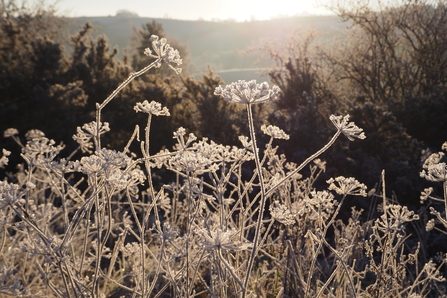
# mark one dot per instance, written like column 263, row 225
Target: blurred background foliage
column 387, row 70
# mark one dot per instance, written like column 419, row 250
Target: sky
column 239, row 10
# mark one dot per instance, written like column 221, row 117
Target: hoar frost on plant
column 223, row 240
column 153, row 108
column 426, row 194
column 34, row 134
column 4, row 159
column 10, row 132
column 10, row 194
column 88, row 132
column 282, row 213
column 349, row 129
column 394, row 217
column 41, row 150
column 275, row 132
column 248, row 92
column 436, row 172
column 164, row 51
column 347, row 186
column 113, row 168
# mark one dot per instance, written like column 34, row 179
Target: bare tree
column 393, row 50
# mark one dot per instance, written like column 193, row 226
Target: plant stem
column 262, row 203
column 99, row 107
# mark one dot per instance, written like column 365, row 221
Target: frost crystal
column 248, row 92
column 349, row 129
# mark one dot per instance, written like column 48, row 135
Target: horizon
column 232, row 10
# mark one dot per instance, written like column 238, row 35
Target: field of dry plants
column 227, row 221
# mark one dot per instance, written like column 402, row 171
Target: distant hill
column 217, row 44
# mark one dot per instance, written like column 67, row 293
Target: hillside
column 217, row 44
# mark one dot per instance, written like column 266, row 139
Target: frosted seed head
column 153, row 108
column 349, row 129
column 10, row 132
column 34, row 134
column 275, row 132
column 347, row 186
column 247, row 92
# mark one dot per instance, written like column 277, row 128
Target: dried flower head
column 248, row 92
column 275, row 132
column 41, row 150
column 4, row 159
column 248, row 145
column 88, row 131
column 347, row 186
column 394, row 218
column 435, row 172
column 164, row 51
column 10, row 132
column 281, row 213
column 349, row 129
column 10, row 194
column 224, row 240
column 34, row 134
column 426, row 194
column 432, row 159
column 153, row 108
column 430, row 225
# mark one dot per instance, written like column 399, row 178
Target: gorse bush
column 232, row 221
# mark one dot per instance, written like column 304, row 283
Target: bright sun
column 266, row 9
